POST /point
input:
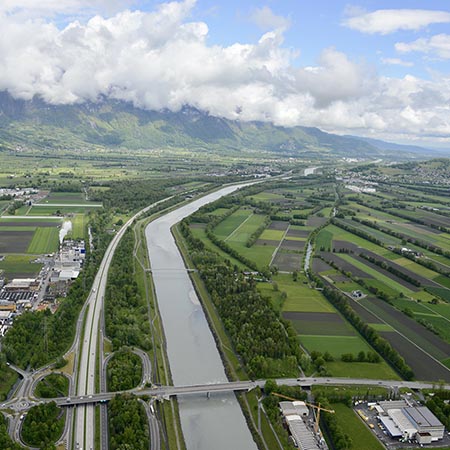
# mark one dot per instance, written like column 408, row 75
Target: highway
column 83, row 433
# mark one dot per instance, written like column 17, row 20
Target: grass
column 260, row 254
column 199, row 233
column 45, row 240
column 324, row 240
column 79, row 223
column 300, row 297
column 227, row 226
column 379, row 371
column 243, row 232
column 19, row 264
column 335, row 345
column 272, row 235
column 361, row 435
column 381, row 327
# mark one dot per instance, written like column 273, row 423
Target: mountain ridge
column 116, row 124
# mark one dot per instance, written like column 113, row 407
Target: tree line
column 381, row 345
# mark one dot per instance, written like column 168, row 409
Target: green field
column 272, row 235
column 361, row 435
column 335, row 345
column 300, row 297
column 242, row 233
column 19, row 265
column 67, row 198
column 324, row 240
column 227, row 226
column 55, row 210
column 79, row 224
column 199, row 233
column 45, row 240
column 380, row 370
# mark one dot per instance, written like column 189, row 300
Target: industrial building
column 295, row 414
column 404, row 421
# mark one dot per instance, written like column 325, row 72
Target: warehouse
column 407, row 422
column 294, row 414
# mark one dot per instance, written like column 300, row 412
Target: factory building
column 406, row 422
column 295, row 414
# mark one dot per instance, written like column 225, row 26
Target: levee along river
column 218, row 422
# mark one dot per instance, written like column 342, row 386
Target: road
column 164, row 392
column 83, row 433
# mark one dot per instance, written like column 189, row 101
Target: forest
column 128, row 426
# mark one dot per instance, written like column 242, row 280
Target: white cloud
column 438, row 45
column 266, row 19
column 396, row 62
column 161, row 60
column 385, row 21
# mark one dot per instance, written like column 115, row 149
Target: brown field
column 315, row 221
column 15, row 241
column 287, row 262
column 344, row 265
column 278, row 225
column 320, row 266
column 29, row 223
column 424, row 367
column 412, row 329
column 267, row 242
column 293, row 245
column 319, row 323
column 297, row 233
column 345, row 245
column 362, row 312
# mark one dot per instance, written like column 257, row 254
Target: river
column 218, row 422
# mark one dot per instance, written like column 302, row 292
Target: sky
column 372, row 68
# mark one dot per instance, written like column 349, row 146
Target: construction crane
column 317, row 407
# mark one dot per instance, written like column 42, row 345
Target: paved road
column 85, row 415
column 162, row 392
column 153, row 426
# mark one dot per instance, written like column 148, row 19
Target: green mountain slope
column 114, row 124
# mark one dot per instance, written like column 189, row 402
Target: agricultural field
column 45, row 240
column 18, row 266
column 386, row 257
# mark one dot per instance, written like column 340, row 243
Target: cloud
column 385, row 21
column 438, row 45
column 162, row 59
column 396, row 62
column 266, row 19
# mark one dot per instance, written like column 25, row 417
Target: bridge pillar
column 208, row 394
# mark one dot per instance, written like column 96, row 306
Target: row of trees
column 267, row 345
column 341, row 302
column 257, row 233
column 385, row 266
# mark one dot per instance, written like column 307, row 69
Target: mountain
column 392, row 147
column 113, row 124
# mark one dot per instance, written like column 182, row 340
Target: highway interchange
column 88, row 350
